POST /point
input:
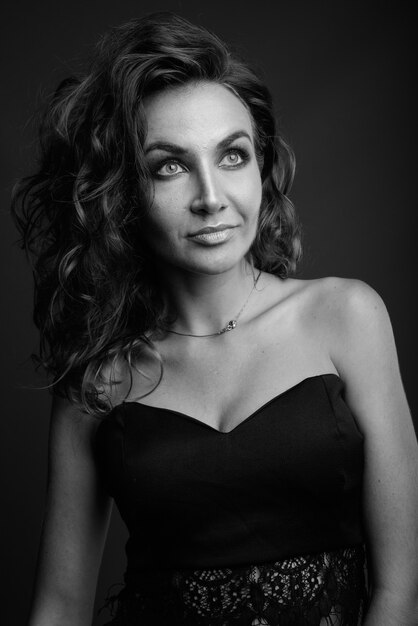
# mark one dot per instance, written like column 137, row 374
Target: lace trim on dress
column 326, row 589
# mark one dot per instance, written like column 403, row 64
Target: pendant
column 230, row 326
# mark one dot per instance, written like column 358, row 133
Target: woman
column 252, row 428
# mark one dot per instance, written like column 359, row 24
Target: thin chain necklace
column 230, row 325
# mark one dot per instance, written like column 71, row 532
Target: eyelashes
column 171, row 170
column 233, row 158
column 235, row 152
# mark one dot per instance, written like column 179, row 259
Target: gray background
column 342, row 74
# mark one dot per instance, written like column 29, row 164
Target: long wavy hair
column 81, row 214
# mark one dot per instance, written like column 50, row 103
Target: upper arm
column 364, row 353
column 75, row 524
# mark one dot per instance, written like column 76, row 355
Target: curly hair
column 81, row 214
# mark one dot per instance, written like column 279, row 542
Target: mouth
column 211, row 235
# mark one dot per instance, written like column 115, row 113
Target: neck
column 205, row 303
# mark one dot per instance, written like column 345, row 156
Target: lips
column 211, row 229
column 213, row 235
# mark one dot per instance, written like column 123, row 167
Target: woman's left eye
column 234, row 158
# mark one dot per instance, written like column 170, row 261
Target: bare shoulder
column 125, row 382
column 348, row 318
column 343, row 304
column 115, row 381
column 353, row 293
column 338, row 293
column 331, row 305
column 355, row 325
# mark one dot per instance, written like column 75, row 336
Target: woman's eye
column 169, row 168
column 234, row 158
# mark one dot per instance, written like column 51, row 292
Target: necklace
column 230, row 325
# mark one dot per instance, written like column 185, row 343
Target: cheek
column 164, row 218
column 250, row 195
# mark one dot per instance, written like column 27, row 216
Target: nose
column 209, row 197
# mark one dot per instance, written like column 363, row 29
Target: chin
column 207, row 261
column 213, row 266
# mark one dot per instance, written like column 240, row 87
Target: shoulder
column 346, row 316
column 342, row 305
column 115, row 381
column 126, row 381
column 345, row 304
column 354, row 323
column 340, row 292
column 332, row 291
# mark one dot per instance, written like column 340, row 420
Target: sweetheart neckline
column 244, row 421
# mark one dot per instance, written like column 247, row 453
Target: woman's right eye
column 168, row 168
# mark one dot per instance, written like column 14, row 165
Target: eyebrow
column 175, row 149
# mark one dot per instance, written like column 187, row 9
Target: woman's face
column 207, row 184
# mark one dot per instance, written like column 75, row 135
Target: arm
column 75, row 524
column 364, row 353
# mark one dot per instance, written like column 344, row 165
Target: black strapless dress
column 258, row 526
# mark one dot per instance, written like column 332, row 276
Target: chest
column 221, row 381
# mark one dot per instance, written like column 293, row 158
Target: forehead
column 199, row 114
